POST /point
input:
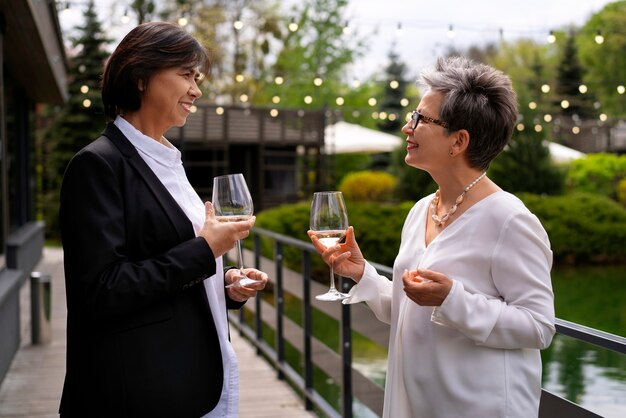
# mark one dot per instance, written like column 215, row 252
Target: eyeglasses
column 417, row 116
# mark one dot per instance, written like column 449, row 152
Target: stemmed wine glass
column 329, row 221
column 232, row 203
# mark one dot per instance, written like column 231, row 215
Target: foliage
column 525, row 166
column 582, row 227
column 597, row 173
column 350, row 162
column 378, row 240
column 363, row 186
column 605, row 63
column 412, row 183
column 621, row 191
column 80, row 120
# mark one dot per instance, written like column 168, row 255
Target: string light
column 219, row 110
column 451, row 33
column 347, row 30
column 551, row 37
column 318, row 81
column 238, row 25
column 392, row 116
column 340, row 101
column 356, row 83
column 404, row 102
column 520, row 127
column 538, row 128
column 193, row 108
column 575, row 130
column 583, row 88
column 399, row 29
column 621, row 89
column 243, row 98
column 545, row 88
column 382, row 115
column 84, row 89
column 371, row 101
column 394, row 84
column 293, row 26
column 182, row 21
column 279, row 80
column 599, row 38
column 564, row 104
column 86, row 103
column 125, row 18
column 308, row 99
column 547, row 117
column 239, row 78
column 603, row 117
column 276, row 99
column 274, row 113
column 532, row 105
column 374, row 115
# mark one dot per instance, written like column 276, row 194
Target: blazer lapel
column 176, row 215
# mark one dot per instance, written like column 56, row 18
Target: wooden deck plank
column 33, row 385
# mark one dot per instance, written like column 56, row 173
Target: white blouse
column 476, row 355
column 165, row 161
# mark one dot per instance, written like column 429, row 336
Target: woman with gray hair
column 471, row 302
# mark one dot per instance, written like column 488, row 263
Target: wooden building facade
column 278, row 153
column 33, row 70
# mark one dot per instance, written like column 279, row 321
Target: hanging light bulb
column 125, row 18
column 520, row 127
column 564, row 104
column 340, row 101
column 603, row 117
column 86, row 103
column 583, row 88
column 371, row 101
column 239, row 78
column 279, row 80
column 394, row 84
column 399, row 29
column 347, row 30
column 621, row 89
column 308, row 99
column 451, row 33
column 545, row 88
column 547, row 117
column 404, row 102
column 274, row 113
column 219, row 110
column 551, row 37
column 293, row 26
column 243, row 98
column 532, row 105
column 538, row 128
column 575, row 130
column 182, row 21
column 599, row 38
column 276, row 99
column 318, row 81
column 238, row 24
column 84, row 89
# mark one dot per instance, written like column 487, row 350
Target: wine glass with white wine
column 232, row 203
column 329, row 222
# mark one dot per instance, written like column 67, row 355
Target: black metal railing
column 340, row 368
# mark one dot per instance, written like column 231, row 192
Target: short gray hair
column 478, row 98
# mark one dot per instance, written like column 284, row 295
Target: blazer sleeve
column 102, row 280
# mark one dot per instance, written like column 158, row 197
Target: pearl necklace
column 435, row 202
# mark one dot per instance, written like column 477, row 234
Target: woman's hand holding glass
column 222, row 236
column 243, row 293
column 346, row 258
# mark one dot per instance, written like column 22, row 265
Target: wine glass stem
column 239, row 256
column 332, row 280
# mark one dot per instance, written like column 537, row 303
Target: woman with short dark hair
column 471, row 303
column 147, row 332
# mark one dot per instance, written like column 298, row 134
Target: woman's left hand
column 243, row 293
column 426, row 287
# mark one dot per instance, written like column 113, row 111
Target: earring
column 451, row 153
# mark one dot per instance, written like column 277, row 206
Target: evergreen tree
column 394, row 92
column 569, row 78
column 81, row 119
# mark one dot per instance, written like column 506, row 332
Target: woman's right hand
column 222, row 236
column 346, row 258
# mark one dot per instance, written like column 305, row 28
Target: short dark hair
column 478, row 98
column 144, row 51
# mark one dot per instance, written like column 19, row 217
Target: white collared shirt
column 165, row 161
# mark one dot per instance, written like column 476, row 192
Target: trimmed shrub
column 597, row 173
column 368, row 186
column 621, row 191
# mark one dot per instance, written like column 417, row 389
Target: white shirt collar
column 166, row 154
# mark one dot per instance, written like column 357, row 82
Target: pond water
column 589, row 376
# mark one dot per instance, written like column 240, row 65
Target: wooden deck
column 32, row 388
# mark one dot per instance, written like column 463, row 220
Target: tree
column 393, row 93
column 569, row 79
column 144, row 9
column 606, row 62
column 81, row 119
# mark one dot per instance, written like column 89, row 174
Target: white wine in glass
column 329, row 221
column 232, row 203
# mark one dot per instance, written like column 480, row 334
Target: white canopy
column 562, row 154
column 344, row 137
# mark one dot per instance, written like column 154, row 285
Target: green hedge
column 583, row 228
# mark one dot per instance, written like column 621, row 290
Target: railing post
column 308, row 329
column 278, row 301
column 258, row 319
column 346, row 355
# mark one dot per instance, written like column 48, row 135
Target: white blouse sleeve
column 523, row 316
column 376, row 291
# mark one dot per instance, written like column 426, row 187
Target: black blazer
column 141, row 340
